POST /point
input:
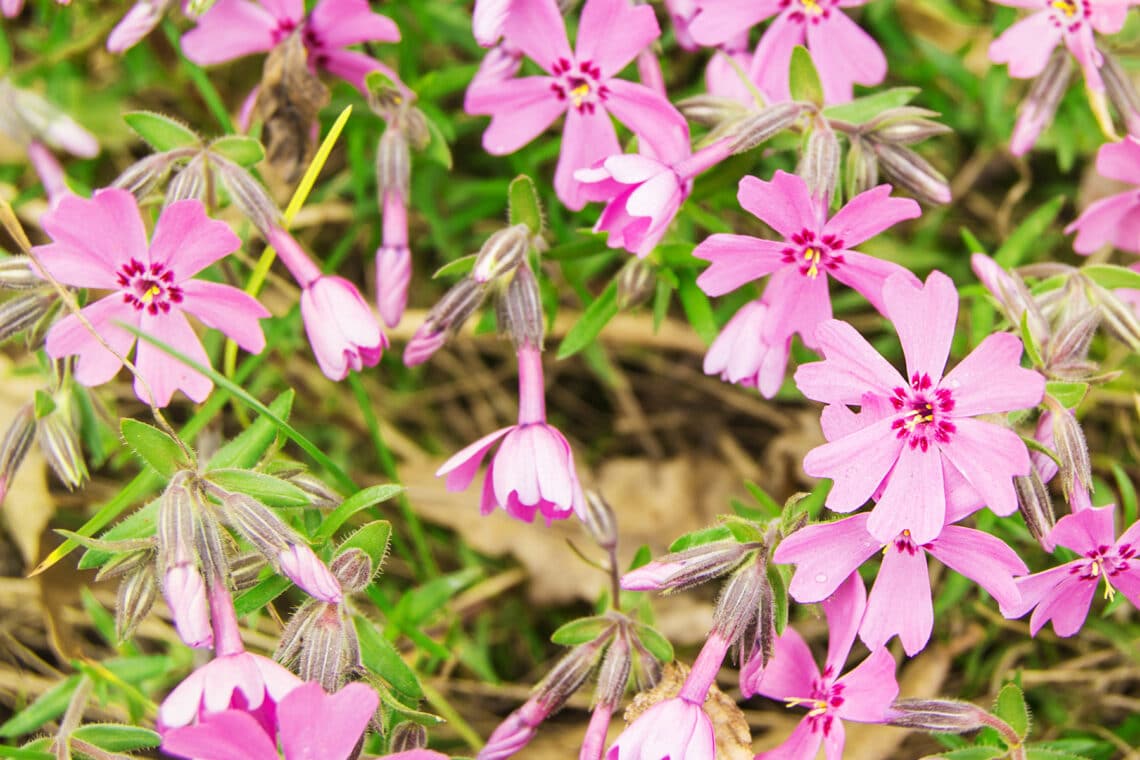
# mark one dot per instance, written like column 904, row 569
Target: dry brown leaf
column 287, row 104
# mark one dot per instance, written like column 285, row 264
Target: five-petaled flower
column 796, row 300
column 925, row 425
column 582, row 84
column 101, row 243
column 1115, row 219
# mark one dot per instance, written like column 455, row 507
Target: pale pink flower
column 498, row 66
column 393, row 260
column 236, row 28
column 1115, row 219
column 51, row 174
column 844, row 54
column 517, row 729
column 681, row 13
column 299, row 564
column 796, row 299
column 580, row 84
column 101, row 243
column 827, row 554
column 863, row 695
column 930, row 426
column 1065, row 593
column 136, row 24
column 185, row 594
column 533, row 471
column 1027, row 45
column 487, row 20
column 723, row 72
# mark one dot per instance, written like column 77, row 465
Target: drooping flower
column 843, row 53
column 1115, row 219
column 533, row 471
column 101, row 243
column 928, row 425
column 1065, row 593
column 796, row 299
column 863, row 695
column 236, row 28
column 1027, row 45
column 582, row 84
column 826, row 554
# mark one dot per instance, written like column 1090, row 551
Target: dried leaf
column 287, row 104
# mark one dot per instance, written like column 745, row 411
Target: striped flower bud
column 819, row 165
column 1036, row 507
column 600, row 520
column 712, row 110
column 137, row 23
column 137, row 592
column 144, row 175
column 393, row 164
column 321, row 496
column 185, row 595
column 16, row 273
column 60, row 446
column 1121, row 91
column 937, row 715
column 14, row 446
column 299, row 564
column 519, row 310
column 636, row 283
column 912, row 172
column 245, row 570
column 353, row 569
column 613, row 675
column 189, row 183
column 682, row 570
column 1072, row 451
column 293, row 637
column 1041, row 102
column 252, row 200
column 502, row 253
column 738, row 607
column 862, row 170
column 23, row 312
column 176, row 519
column 768, row 122
column 906, row 125
column 322, row 658
column 1118, row 317
column 408, row 736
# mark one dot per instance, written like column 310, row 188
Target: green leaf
column 1128, row 501
column 139, row 524
column 861, row 110
column 588, row 244
column 265, row 488
column 1043, row 753
column 381, row 658
column 48, row 706
column 115, row 737
column 23, row 753
column 417, row 605
column 373, row 540
column 581, row 630
column 251, row 444
column 702, row 537
column 586, row 330
column 416, row 716
column 697, row 306
column 654, row 641
column 1069, row 394
column 803, row 79
column 970, row 753
column 1010, row 706
column 362, row 499
column 461, row 265
column 779, row 597
column 242, row 150
column 154, row 447
column 1112, row 277
column 161, row 132
column 44, row 404
column 524, row 205
column 262, row 594
column 1031, row 348
column 1028, row 234
column 437, row 149
column 766, row 502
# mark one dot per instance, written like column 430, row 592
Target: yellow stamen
column 148, row 296
column 813, row 255
column 812, row 7
column 1068, row 7
column 579, row 93
column 818, row 706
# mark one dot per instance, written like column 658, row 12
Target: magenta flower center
column 924, row 412
column 1068, row 15
column 805, row 11
column 1104, row 562
column 151, row 288
column 580, row 85
column 812, row 255
column 826, row 697
column 904, row 543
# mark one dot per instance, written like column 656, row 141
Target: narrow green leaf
column 381, row 658
column 1112, row 277
column 970, row 753
column 154, row 447
column 161, row 132
column 697, row 307
column 437, row 149
column 766, row 502
column 262, row 594
column 524, row 206
column 250, row 445
column 418, row 605
column 862, row 110
column 1128, row 502
column 655, row 642
column 459, row 266
column 803, row 78
column 1028, row 234
column 115, row 737
column 702, row 537
column 362, row 499
column 242, row 150
column 1031, row 348
column 779, row 597
column 416, row 716
column 138, row 524
column 581, row 630
column 1069, row 394
column 24, row 753
column 44, row 404
column 1043, row 753
column 1010, row 706
column 273, row 491
column 49, row 706
column 586, row 330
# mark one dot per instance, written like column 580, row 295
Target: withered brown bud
column 288, row 101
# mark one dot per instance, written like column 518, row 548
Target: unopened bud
column 515, row 732
column 176, row 518
column 137, row 592
column 25, row 116
column 739, row 602
column 321, row 496
column 303, row 567
column 415, row 127
column 613, row 675
column 758, row 639
column 16, row 273
column 635, row 283
column 819, row 165
column 14, row 446
column 125, row 562
column 1121, row 91
column 23, row 312
column 1119, row 317
column 185, row 595
column 937, row 715
column 1041, row 102
column 393, row 274
column 137, row 23
column 189, row 183
column 600, row 521
column 253, row 200
column 322, row 653
column 648, row 672
column 393, row 164
column 906, row 125
column 682, row 570
column 711, row 110
column 144, row 175
column 408, row 736
column 1011, row 294
column 519, row 310
column 913, row 173
column 259, row 524
column 1071, row 339
column 211, row 555
column 766, row 124
column 298, row 627
column 502, row 254
column 862, row 171
column 568, row 675
column 1072, row 451
column 1036, row 507
column 423, row 344
column 245, row 570
column 353, row 569
column 60, row 446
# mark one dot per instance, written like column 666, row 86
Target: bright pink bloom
column 533, row 471
column 1065, row 593
column 843, row 53
column 393, row 261
column 137, row 23
column 517, row 729
column 236, row 28
column 1027, row 45
column 864, row 695
column 740, row 355
column 681, row 13
column 826, row 554
column 796, row 299
column 581, row 84
column 928, row 423
column 300, row 565
column 101, row 243
column 1115, row 219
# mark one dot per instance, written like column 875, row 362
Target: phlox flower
column 796, row 299
column 843, row 53
column 1065, row 593
column 533, row 471
column 581, row 84
column 826, row 554
column 1115, row 219
column 929, row 423
column 240, row 680
column 1027, row 45
column 236, row 28
column 101, row 243
column 863, row 695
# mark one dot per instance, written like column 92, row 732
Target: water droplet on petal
column 820, row 578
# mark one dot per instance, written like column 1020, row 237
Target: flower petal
column 586, row 139
column 790, row 673
column 354, row 67
column 721, row 20
column 783, row 204
column 869, row 213
column 96, row 365
column 914, row 498
column 612, row 32
column 736, row 260
column 844, row 611
column 845, row 54
column 772, row 61
column 221, row 736
column 802, row 743
column 76, row 266
column 870, row 689
column 925, row 319
column 107, row 227
column 230, row 29
column 658, row 125
column 797, row 304
column 989, row 457
column 1067, row 606
column 163, row 373
column 536, row 28
column 223, row 307
column 982, row 558
column 857, row 463
column 1101, row 222
column 1026, row 45
column 187, row 241
column 460, row 469
column 851, row 368
column 867, row 275
column 338, row 23
column 991, row 379
column 1086, row 530
column 900, row 601
column 319, row 726
column 825, row 555
column 1120, row 160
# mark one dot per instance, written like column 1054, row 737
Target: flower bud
column 353, row 569
column 1071, row 339
column 260, row 525
column 648, row 672
column 519, row 310
column 906, row 125
column 14, row 446
column 1036, row 507
column 144, row 175
column 937, row 715
column 22, row 312
column 185, row 595
column 862, row 171
column 912, row 172
column 739, row 602
column 125, row 562
column 502, row 254
column 1119, row 318
column 321, row 496
column 515, row 732
column 613, row 675
column 16, row 273
column 211, row 556
column 177, row 514
column 137, row 592
column 253, row 200
column 293, row 637
column 245, row 570
column 457, row 304
column 322, row 651
column 712, row 110
column 415, row 127
column 819, row 165
column 60, row 446
column 306, row 569
column 636, row 283
column 25, row 116
column 393, row 164
column 600, row 521
column 189, row 183
column 393, row 274
column 569, row 674
column 1072, row 451
column 766, row 124
column 682, row 570
column 1011, row 294
column 423, row 344
column 1041, row 102
column 408, row 736
column 137, row 23
column 1121, row 91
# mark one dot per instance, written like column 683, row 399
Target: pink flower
column 863, row 695
column 393, row 261
column 300, row 565
column 843, row 53
column 673, row 728
column 533, row 471
column 796, row 299
column 1026, row 45
column 581, row 84
column 236, row 28
column 1065, row 593
column 101, row 243
column 826, row 554
column 185, row 594
column 1115, row 219
column 341, row 328
column 310, row 723
column 487, row 20
column 241, row 680
column 740, row 355
column 928, row 424
column 137, row 23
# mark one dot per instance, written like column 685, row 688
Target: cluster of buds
column 33, row 305
column 48, row 421
column 882, row 145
